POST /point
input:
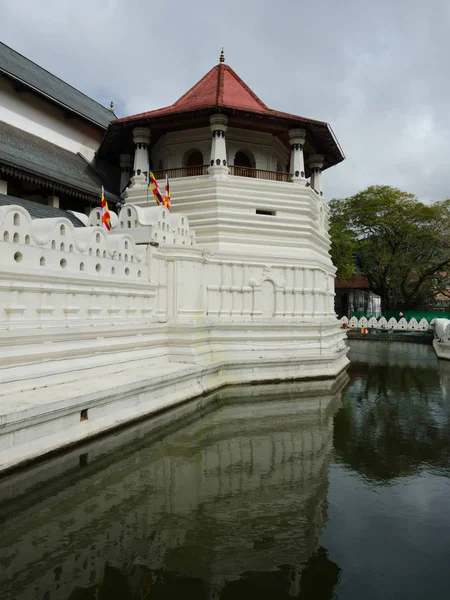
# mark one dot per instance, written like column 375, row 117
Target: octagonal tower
column 248, row 177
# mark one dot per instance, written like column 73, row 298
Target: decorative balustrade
column 181, row 172
column 234, row 170
column 259, row 173
column 383, row 323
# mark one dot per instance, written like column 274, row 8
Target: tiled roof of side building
column 40, row 211
column 355, row 283
column 31, row 75
column 22, row 150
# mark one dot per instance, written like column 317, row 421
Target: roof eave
column 288, row 118
column 52, row 99
column 83, row 192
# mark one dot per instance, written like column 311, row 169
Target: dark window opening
column 270, row 213
column 195, row 159
column 243, row 160
column 84, row 415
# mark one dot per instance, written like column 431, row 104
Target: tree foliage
column 401, row 245
column 343, row 241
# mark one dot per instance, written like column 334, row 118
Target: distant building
column 355, row 295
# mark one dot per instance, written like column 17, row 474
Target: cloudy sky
column 377, row 71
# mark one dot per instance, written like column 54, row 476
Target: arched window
column 193, row 162
column 242, row 159
column 244, row 164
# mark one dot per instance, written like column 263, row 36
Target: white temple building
column 233, row 284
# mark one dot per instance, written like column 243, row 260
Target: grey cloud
column 376, row 71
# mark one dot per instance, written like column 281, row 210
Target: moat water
column 312, row 490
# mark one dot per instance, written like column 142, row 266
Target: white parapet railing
column 382, row 323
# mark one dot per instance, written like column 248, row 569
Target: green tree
column 401, row 245
column 343, row 241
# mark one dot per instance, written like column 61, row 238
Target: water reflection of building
column 242, row 489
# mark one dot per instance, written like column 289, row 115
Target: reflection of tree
column 393, row 420
column 319, row 577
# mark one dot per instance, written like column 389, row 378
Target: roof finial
column 222, row 57
column 111, row 107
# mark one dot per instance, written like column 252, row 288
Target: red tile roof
column 356, row 283
column 220, row 87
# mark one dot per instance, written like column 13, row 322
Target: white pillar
column 297, row 140
column 141, row 139
column 316, row 164
column 218, row 162
column 3, row 186
column 53, row 201
column 126, row 164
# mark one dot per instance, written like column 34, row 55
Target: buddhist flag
column 167, row 197
column 153, row 185
column 106, row 217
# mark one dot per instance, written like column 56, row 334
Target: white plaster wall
column 152, row 223
column 41, row 285
column 170, row 321
column 51, row 271
column 266, row 150
column 172, row 148
column 42, row 118
column 268, row 291
column 222, row 210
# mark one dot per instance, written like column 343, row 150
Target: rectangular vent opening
column 84, row 415
column 270, row 213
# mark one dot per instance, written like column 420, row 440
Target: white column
column 126, row 165
column 297, row 140
column 141, row 139
column 3, row 186
column 218, row 161
column 53, row 201
column 316, row 163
